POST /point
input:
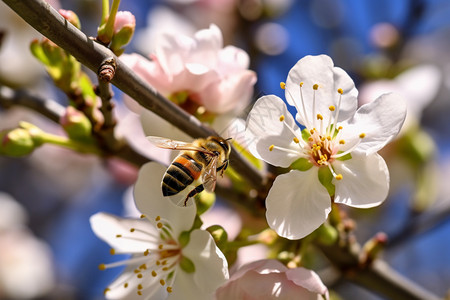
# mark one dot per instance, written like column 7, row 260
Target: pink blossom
column 124, row 19
column 270, row 279
column 199, row 70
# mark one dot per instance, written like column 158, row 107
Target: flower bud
column 204, row 201
column 17, row 142
column 124, row 25
column 219, row 235
column 372, row 248
column 71, row 17
column 76, row 124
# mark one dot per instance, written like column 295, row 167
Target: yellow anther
column 139, row 287
column 282, row 85
column 158, row 263
column 160, row 246
column 329, row 138
column 112, row 251
column 164, row 262
column 159, row 225
column 139, row 293
column 118, row 235
column 271, row 147
column 165, row 269
column 319, row 117
column 311, row 131
column 281, row 118
column 169, row 289
column 296, row 140
column 125, row 285
column 154, row 274
column 142, row 216
column 301, row 84
column 162, row 282
column 362, row 135
column 146, row 252
column 101, row 267
column 139, row 275
column 106, row 290
column 310, row 139
column 132, row 229
column 340, row 128
column 340, row 91
column 331, row 108
column 157, row 218
column 143, row 267
column 136, row 271
column 316, row 86
column 342, row 142
column 339, row 177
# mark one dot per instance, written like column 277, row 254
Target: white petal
column 107, row 227
column 151, row 202
column 320, row 70
column 211, row 267
column 365, row 180
column 297, row 204
column 307, row 279
column 380, row 121
column 265, row 129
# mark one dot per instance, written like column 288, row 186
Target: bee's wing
column 209, row 175
column 175, row 145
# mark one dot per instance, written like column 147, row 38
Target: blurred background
column 47, row 249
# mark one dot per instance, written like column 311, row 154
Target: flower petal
column 365, row 180
column 320, row 70
column 380, row 121
column 265, row 129
column 297, row 204
column 107, row 227
column 151, row 202
column 307, row 279
column 211, row 267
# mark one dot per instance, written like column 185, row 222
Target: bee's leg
column 195, row 191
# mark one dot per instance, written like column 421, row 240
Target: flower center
column 156, row 264
column 321, row 143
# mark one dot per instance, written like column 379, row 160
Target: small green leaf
column 325, row 178
column 187, row 265
column 219, row 235
column 184, row 238
column 301, row 164
column 345, row 157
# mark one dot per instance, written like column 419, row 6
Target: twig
column 48, row 108
column 40, row 15
column 54, row 111
column 378, row 276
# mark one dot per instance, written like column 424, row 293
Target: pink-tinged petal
column 124, row 18
column 149, row 70
column 234, row 91
column 365, row 180
column 307, row 279
column 211, row 267
column 232, row 60
column 297, row 204
column 269, row 279
column 320, row 70
column 265, row 129
column 380, row 121
column 116, row 232
column 151, row 202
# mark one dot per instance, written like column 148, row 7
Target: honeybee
column 201, row 159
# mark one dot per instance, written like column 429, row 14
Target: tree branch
column 40, row 15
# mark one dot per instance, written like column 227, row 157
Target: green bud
column 204, row 201
column 219, row 235
column 17, row 142
column 326, row 234
column 76, row 124
column 187, row 265
column 71, row 17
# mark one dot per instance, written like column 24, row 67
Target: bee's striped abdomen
column 181, row 173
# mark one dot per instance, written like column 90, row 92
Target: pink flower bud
column 71, row 17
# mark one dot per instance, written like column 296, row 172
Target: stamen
column 342, row 142
column 133, row 260
column 271, row 147
column 297, row 153
column 281, row 118
column 132, row 229
column 282, row 85
column 169, row 289
column 336, row 116
column 296, row 140
column 362, row 135
column 337, row 176
column 304, row 114
column 162, row 282
column 142, row 216
column 332, row 108
column 112, row 251
column 319, row 117
column 316, row 86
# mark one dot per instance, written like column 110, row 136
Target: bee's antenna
column 228, row 139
